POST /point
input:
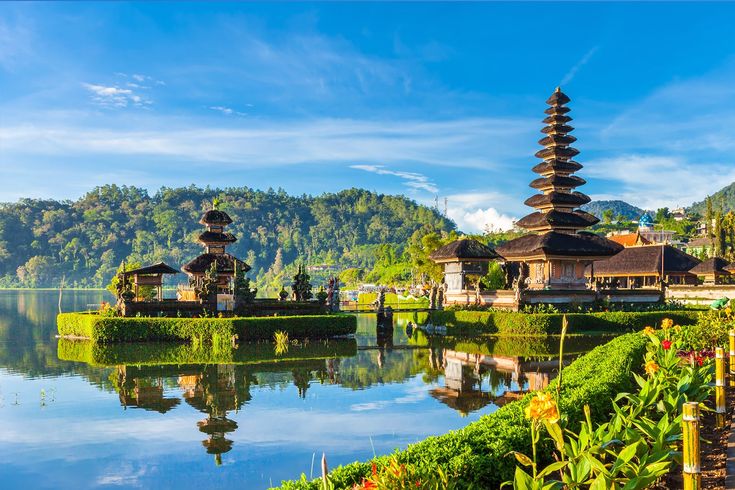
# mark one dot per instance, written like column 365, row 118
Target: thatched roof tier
column 646, row 259
column 559, row 139
column 159, row 268
column 557, row 119
column 557, row 128
column 557, row 219
column 225, row 264
column 558, row 152
column 557, row 110
column 216, row 217
column 580, row 244
column 572, row 199
column 216, row 237
column 465, row 248
column 563, row 181
column 715, row 265
column 557, row 166
column 558, row 98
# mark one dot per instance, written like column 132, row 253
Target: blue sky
column 420, row 99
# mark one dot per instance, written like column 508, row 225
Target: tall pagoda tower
column 557, row 251
column 215, row 240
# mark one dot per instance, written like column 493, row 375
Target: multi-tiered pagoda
column 557, row 252
column 215, row 240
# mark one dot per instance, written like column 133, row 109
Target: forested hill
column 618, row 208
column 722, row 200
column 84, row 241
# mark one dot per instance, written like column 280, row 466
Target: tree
column 37, row 271
column 662, row 214
column 607, row 216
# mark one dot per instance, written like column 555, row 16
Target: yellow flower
column 677, row 328
column 728, row 311
column 648, row 331
column 543, row 407
column 667, row 323
column 651, row 368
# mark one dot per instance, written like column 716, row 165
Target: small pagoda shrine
column 556, row 253
column 215, row 240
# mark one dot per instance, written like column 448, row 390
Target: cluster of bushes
column 517, row 323
column 105, row 329
column 477, row 455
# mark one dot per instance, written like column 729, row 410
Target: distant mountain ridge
column 723, row 199
column 618, row 208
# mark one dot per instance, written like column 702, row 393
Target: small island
column 217, row 304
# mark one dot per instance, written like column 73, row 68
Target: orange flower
column 667, row 323
column 543, row 407
column 651, row 368
column 648, row 331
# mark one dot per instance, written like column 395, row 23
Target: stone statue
column 301, row 286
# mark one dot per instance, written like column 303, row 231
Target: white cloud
column 651, row 181
column 227, row 111
column 114, row 96
column 476, row 212
column 413, row 180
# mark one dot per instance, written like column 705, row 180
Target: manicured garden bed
column 518, row 323
column 477, row 455
column 104, row 329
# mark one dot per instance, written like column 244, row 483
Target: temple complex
column 557, row 251
column 215, row 241
column 645, row 266
column 465, row 261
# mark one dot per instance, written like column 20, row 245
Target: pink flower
column 666, row 344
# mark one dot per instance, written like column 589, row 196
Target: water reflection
column 176, row 407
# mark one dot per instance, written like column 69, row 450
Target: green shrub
column 105, row 329
column 477, row 455
column 517, row 323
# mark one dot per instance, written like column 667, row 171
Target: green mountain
column 618, row 208
column 85, row 240
column 724, row 200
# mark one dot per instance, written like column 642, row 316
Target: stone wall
column 700, row 295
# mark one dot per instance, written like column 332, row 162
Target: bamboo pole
column 732, row 358
column 690, row 446
column 720, row 386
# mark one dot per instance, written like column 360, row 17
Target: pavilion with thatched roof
column 464, row 261
column 557, row 251
column 646, row 266
column 714, row 271
column 151, row 275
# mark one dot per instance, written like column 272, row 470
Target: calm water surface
column 171, row 416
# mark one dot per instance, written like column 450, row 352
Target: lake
column 172, row 416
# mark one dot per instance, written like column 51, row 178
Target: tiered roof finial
column 558, row 202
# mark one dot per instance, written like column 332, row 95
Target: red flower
column 700, row 361
column 666, row 344
column 375, row 469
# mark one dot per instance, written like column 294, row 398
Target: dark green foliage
column 85, row 240
column 105, row 329
column 477, row 455
column 160, row 353
column 516, row 323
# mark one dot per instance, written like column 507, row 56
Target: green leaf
column 552, row 468
column 522, row 458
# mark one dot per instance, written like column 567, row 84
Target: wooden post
column 732, row 358
column 690, row 446
column 720, row 386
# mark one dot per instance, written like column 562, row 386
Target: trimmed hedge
column 477, row 455
column 518, row 323
column 137, row 329
column 163, row 353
